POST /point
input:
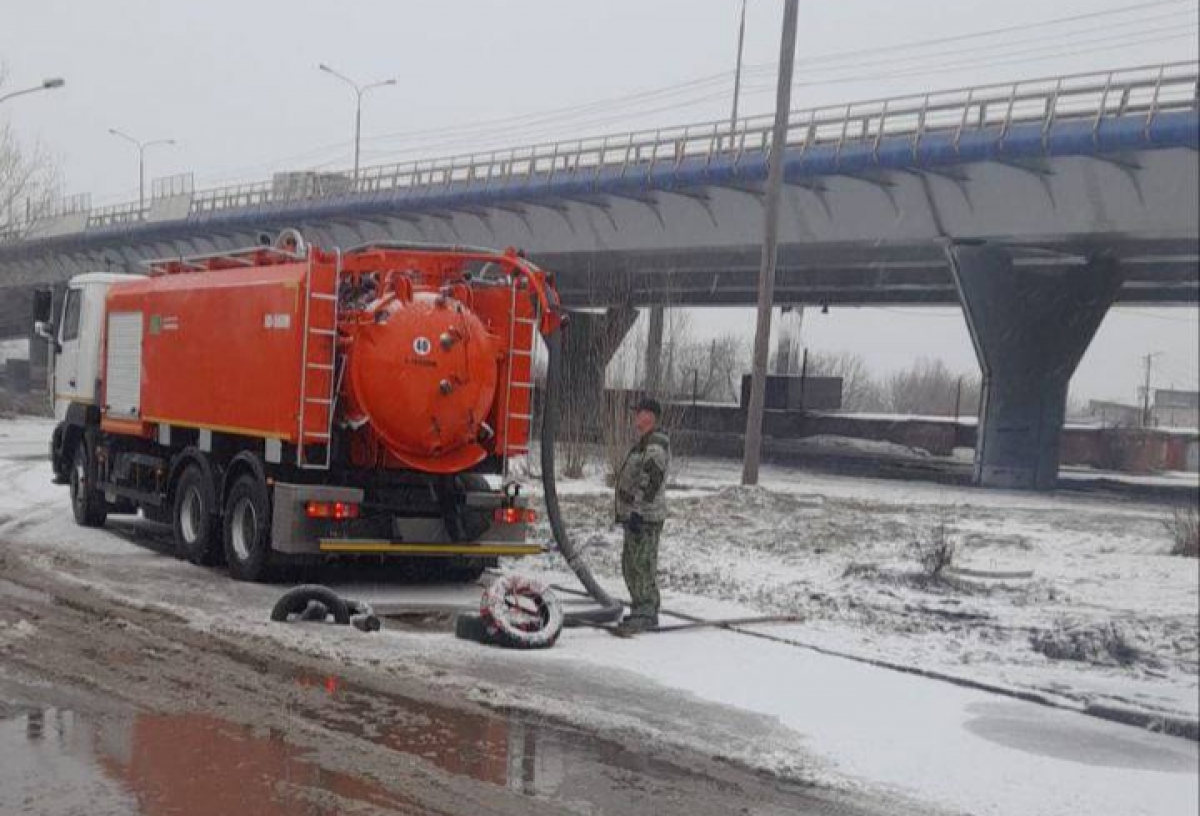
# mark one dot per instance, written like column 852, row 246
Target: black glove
column 635, row 523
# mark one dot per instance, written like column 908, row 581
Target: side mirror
column 43, row 305
column 46, row 330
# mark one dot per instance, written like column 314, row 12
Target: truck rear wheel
column 86, row 502
column 247, row 529
column 194, row 519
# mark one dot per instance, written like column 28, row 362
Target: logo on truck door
column 162, row 323
column 422, row 346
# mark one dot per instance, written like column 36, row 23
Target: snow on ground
column 840, row 552
column 836, row 550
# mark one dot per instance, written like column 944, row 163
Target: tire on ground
column 294, row 602
column 246, row 529
column 194, row 518
column 86, row 502
column 521, row 613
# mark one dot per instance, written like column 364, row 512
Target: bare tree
column 710, row 371
column 860, row 391
column 930, row 387
column 29, row 181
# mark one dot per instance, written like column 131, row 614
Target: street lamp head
column 54, row 82
column 325, row 68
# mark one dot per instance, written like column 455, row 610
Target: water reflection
column 184, row 765
column 197, row 765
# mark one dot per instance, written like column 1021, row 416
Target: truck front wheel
column 247, row 529
column 86, row 502
column 194, row 520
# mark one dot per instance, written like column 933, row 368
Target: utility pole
column 1148, row 364
column 737, row 77
column 766, row 279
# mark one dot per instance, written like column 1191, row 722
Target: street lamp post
column 359, row 92
column 141, row 148
column 47, row 85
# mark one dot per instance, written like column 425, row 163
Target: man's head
column 646, row 414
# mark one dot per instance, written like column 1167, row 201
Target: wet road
column 109, row 710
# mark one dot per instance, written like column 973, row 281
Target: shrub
column 1184, row 526
column 936, row 550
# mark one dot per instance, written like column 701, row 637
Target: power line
column 844, row 55
column 701, row 90
column 1058, row 39
column 606, row 106
column 1022, row 60
column 537, row 132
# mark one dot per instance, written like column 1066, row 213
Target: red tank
column 420, row 358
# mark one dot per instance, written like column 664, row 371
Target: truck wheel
column 247, row 530
column 194, row 519
column 86, row 501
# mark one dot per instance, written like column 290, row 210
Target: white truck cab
column 76, row 339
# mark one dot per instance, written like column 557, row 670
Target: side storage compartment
column 123, row 366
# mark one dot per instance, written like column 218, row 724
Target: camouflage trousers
column 639, row 564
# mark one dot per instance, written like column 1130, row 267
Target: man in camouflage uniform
column 641, row 509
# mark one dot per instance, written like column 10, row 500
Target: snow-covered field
column 1086, row 576
column 838, row 551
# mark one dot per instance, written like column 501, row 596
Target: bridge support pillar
column 1030, row 328
column 589, row 344
column 654, row 351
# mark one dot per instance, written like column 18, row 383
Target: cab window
column 70, row 329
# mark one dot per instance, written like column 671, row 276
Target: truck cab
column 76, row 336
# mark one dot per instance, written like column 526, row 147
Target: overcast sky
column 236, row 85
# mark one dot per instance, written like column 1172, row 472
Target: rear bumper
column 476, row 549
column 294, row 533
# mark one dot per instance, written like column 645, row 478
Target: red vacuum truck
column 286, row 402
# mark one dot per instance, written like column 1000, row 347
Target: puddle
column 56, row 760
column 141, row 764
column 1074, row 738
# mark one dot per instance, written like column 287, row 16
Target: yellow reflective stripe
column 218, row 428
column 343, row 546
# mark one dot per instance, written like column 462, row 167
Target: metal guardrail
column 1144, row 92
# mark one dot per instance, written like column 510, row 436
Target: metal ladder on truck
column 320, row 371
column 518, row 349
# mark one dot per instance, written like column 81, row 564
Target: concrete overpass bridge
column 1035, row 205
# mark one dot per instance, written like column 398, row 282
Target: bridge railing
column 1131, row 92
column 1137, row 92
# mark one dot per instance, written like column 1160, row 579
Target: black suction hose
column 610, row 609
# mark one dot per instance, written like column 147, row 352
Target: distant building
column 1175, row 409
column 1114, row 414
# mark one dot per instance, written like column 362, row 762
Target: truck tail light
column 335, row 510
column 515, row 515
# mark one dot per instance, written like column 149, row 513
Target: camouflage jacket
column 642, row 480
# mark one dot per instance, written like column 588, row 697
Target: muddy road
column 109, row 708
